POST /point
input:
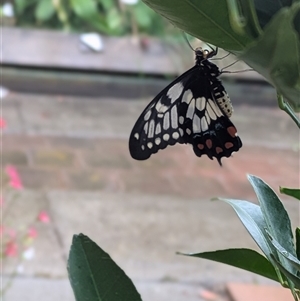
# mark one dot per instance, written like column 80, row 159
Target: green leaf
column 268, row 8
column 44, row 10
column 295, row 279
column 252, row 218
column 291, row 192
column 297, row 237
column 276, row 55
column 207, row 20
column 276, row 218
column 245, row 259
column 275, row 215
column 21, row 5
column 84, row 8
column 292, row 259
column 95, row 276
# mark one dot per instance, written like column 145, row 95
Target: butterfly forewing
column 194, row 109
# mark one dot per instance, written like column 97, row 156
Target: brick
column 54, row 157
column 72, row 143
column 14, row 158
column 18, row 141
column 34, row 178
column 88, row 180
column 105, row 159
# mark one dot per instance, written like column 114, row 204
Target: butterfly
column 193, row 109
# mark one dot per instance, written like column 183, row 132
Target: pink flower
column 15, row 180
column 43, row 217
column 11, row 249
column 11, row 232
column 32, row 232
column 2, row 123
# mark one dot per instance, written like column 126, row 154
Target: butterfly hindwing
column 193, row 109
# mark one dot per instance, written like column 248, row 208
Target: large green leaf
column 291, row 192
column 295, row 279
column 290, row 258
column 252, row 218
column 95, row 276
column 245, row 259
column 275, row 215
column 276, row 55
column 207, row 20
column 267, row 8
column 276, row 218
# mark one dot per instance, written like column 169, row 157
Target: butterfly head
column 204, row 54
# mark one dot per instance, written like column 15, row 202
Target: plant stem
column 283, row 105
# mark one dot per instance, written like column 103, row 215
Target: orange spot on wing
column 232, row 131
column 228, row 145
column 200, row 146
column 219, row 150
column 208, row 143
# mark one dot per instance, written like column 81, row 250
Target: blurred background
column 75, row 76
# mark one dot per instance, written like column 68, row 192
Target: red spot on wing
column 232, row 131
column 228, row 145
column 200, row 146
column 219, row 150
column 208, row 143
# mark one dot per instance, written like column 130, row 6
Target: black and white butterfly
column 194, row 109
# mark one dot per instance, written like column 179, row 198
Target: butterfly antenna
column 187, row 40
column 239, row 71
column 221, row 58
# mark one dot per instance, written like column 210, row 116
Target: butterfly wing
column 186, row 111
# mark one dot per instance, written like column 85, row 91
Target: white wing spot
column 196, row 124
column 150, row 144
column 181, row 131
column 166, row 137
column 157, row 141
column 160, row 108
column 147, row 115
column 151, row 128
column 158, row 129
column 188, row 131
column 187, row 96
column 181, row 119
column 191, row 109
column 210, row 112
column 175, row 135
column 207, row 117
column 175, row 91
column 160, row 115
column 146, row 127
column 200, row 103
column 143, row 147
column 174, row 118
column 204, row 125
column 136, row 136
column 166, row 124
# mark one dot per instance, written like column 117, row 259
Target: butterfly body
column 194, row 109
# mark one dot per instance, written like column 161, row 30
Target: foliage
column 93, row 274
column 111, row 17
